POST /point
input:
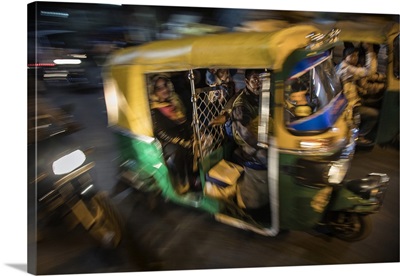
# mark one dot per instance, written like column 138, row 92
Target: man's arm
column 241, row 120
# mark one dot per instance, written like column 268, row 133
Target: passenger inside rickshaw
column 209, row 143
column 173, row 114
column 174, row 131
column 252, row 187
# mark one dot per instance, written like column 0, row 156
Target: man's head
column 223, row 75
column 350, row 55
column 298, row 101
column 252, row 80
column 215, row 76
column 298, row 93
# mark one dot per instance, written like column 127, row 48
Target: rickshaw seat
column 222, row 152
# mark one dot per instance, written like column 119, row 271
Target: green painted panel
column 148, row 160
column 300, row 207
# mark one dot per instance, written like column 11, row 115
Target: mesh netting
column 209, row 104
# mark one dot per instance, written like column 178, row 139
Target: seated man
column 253, row 186
column 244, row 116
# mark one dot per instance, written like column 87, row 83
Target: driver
column 299, row 103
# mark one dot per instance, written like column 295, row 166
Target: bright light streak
column 56, row 75
column 67, row 61
column 87, row 189
column 78, row 55
column 54, row 14
column 69, row 162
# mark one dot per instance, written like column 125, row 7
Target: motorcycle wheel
column 352, row 227
column 108, row 227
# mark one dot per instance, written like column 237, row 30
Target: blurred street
column 163, row 236
column 160, row 235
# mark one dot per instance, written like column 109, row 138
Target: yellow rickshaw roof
column 230, row 50
column 373, row 31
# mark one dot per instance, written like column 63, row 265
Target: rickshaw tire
column 363, row 222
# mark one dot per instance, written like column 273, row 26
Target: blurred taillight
column 30, row 65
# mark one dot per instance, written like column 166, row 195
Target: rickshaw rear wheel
column 352, row 227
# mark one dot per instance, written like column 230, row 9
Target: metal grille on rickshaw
column 209, row 103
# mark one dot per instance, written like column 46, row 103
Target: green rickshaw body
column 304, row 188
column 304, row 164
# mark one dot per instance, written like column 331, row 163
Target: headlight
column 314, row 143
column 69, row 162
column 338, row 171
column 320, row 145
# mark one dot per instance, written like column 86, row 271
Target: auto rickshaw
column 308, row 154
column 384, row 33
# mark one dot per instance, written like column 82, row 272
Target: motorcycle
column 61, row 187
column 309, row 147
